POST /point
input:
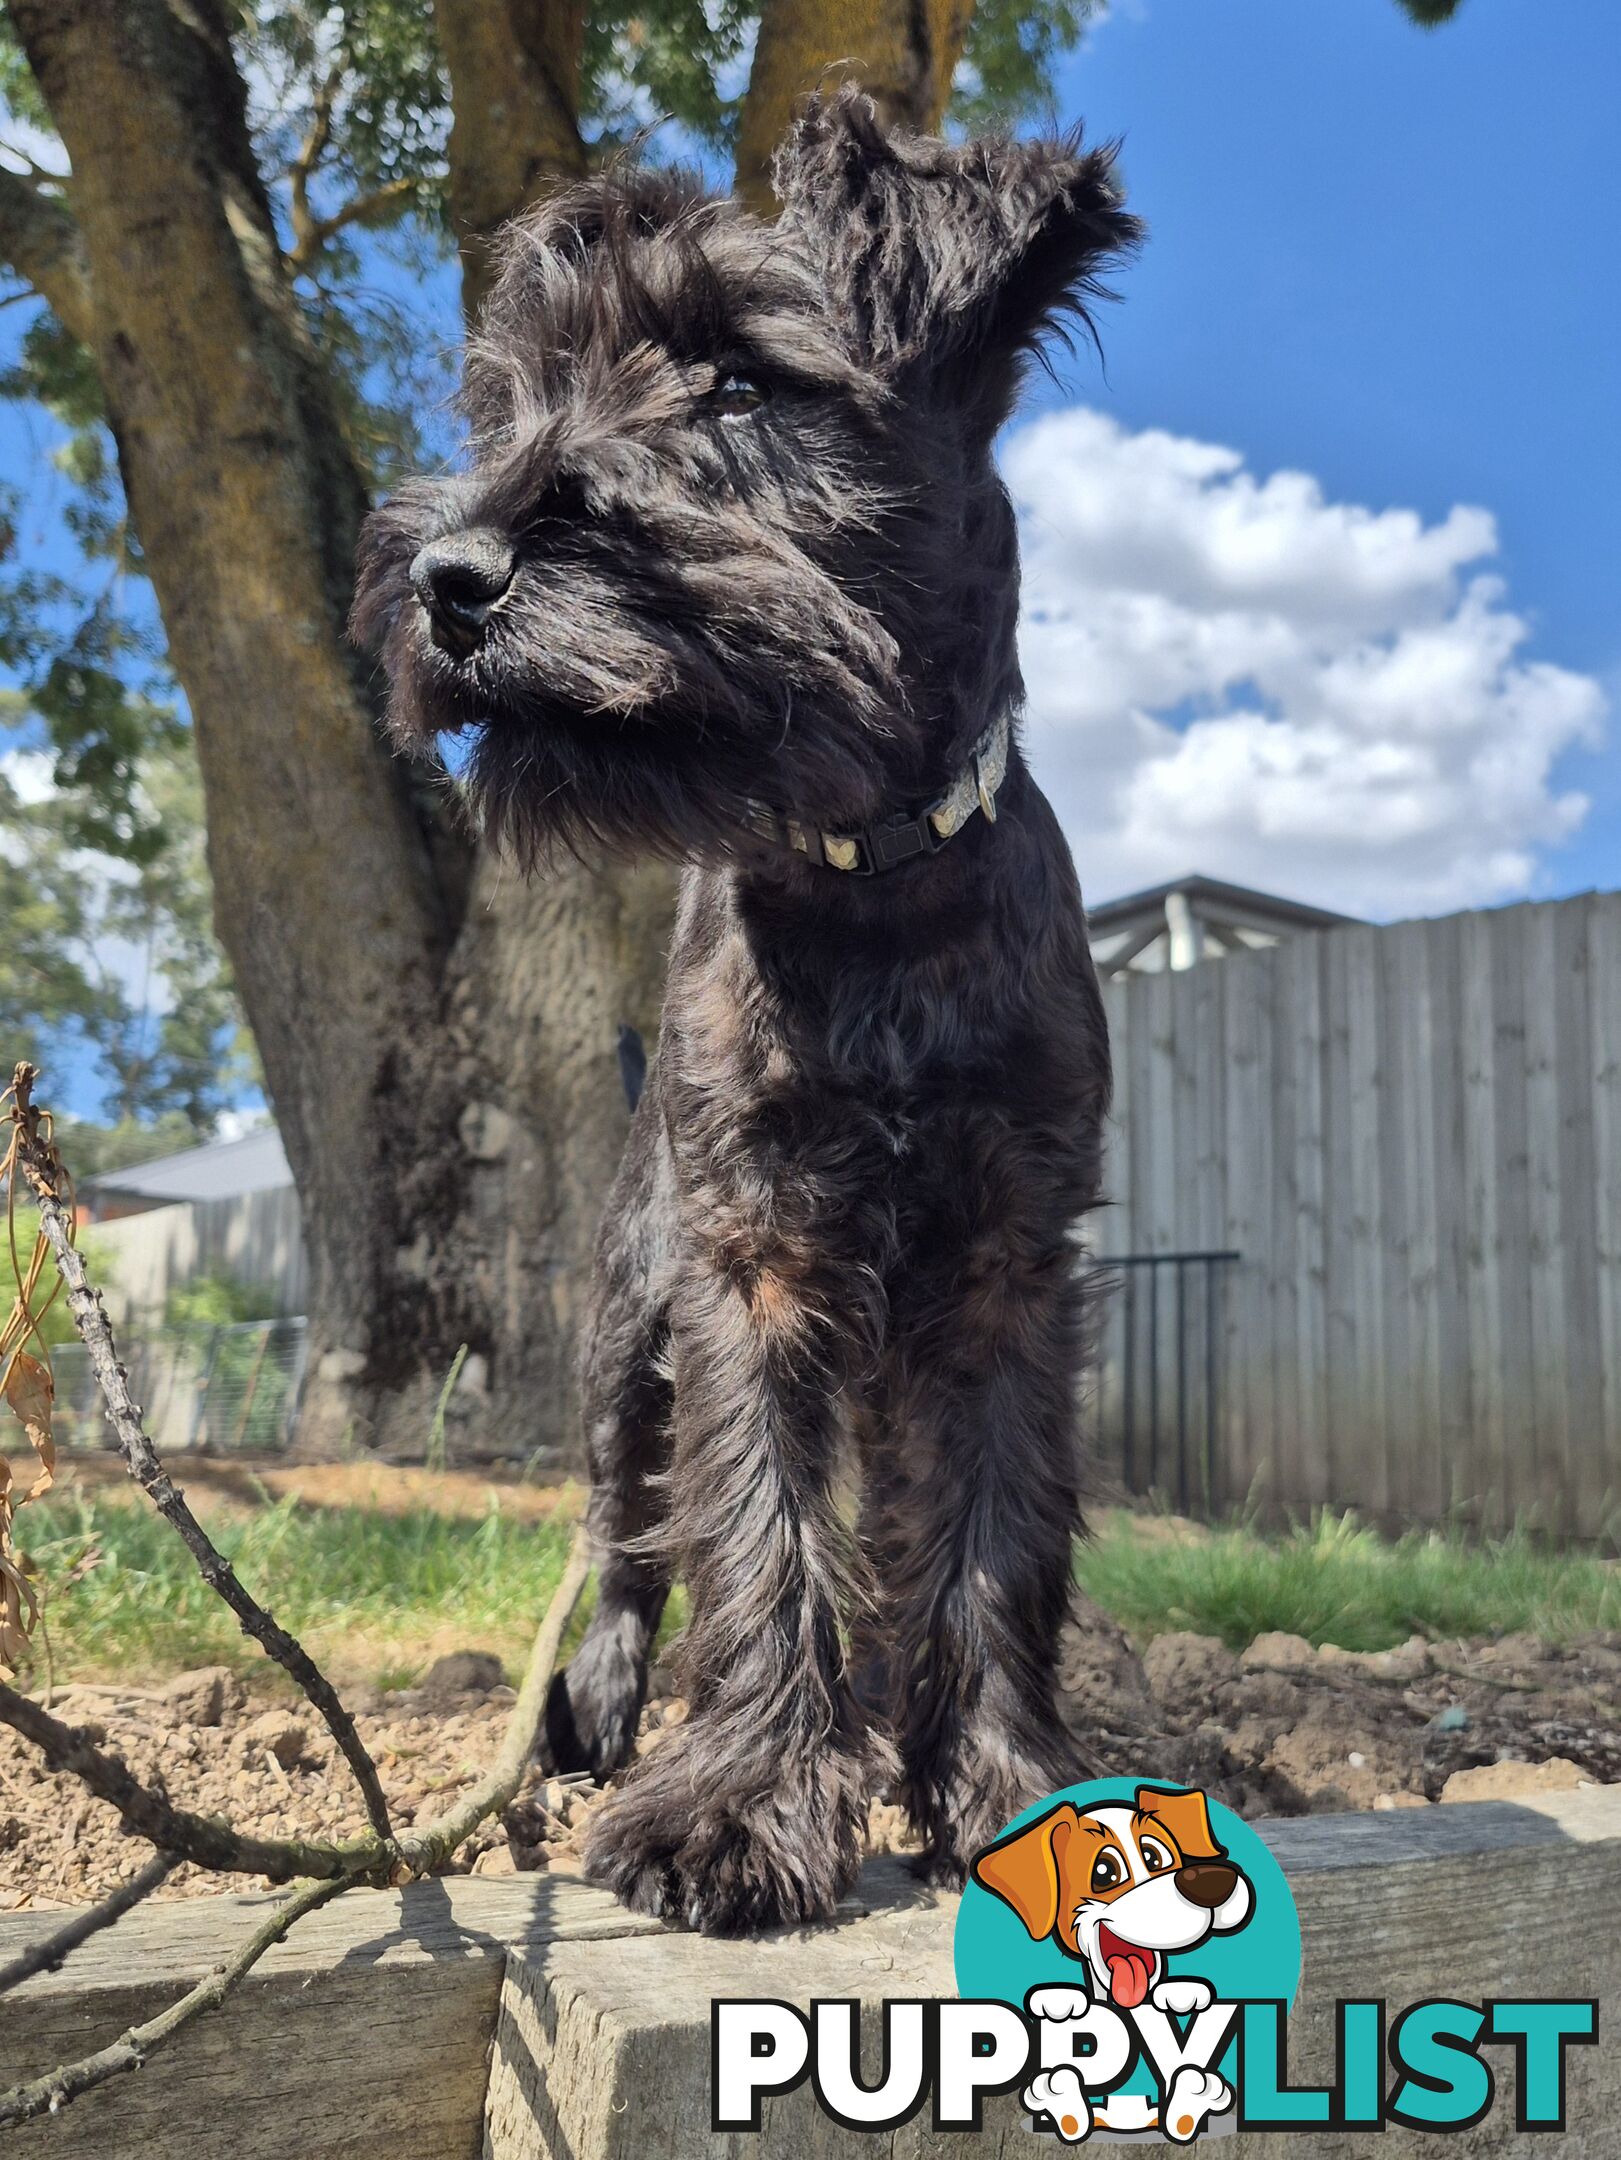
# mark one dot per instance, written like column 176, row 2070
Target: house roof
column 1219, row 898
column 221, row 1171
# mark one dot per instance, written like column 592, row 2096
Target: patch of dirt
column 1284, row 1729
column 242, row 1483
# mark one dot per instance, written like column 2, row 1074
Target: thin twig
column 46, row 2095
column 425, row 1849
column 213, row 1844
column 52, row 1951
column 37, row 1159
column 209, row 1842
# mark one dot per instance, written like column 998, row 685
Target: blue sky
column 1388, row 258
column 1382, row 260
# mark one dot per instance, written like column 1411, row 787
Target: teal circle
column 995, row 1958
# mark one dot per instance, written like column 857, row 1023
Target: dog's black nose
column 1207, row 1882
column 458, row 580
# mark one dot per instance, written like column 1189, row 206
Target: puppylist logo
column 1144, row 1931
column 1127, row 1955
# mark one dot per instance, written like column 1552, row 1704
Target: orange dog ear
column 1186, row 1815
column 1023, row 1870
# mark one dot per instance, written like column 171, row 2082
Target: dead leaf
column 19, row 1615
column 31, row 1391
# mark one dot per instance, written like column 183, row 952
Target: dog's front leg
column 750, row 1815
column 981, row 1539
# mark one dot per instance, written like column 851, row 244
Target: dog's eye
column 1155, row 1858
column 736, row 395
column 1107, row 1873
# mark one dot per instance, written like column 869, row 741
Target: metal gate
column 1161, row 1369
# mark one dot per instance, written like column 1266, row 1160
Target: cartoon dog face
column 1120, row 1887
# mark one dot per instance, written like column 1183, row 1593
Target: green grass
column 377, row 1592
column 1334, row 1580
column 376, row 1595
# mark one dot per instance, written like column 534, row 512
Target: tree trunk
column 903, row 52
column 544, row 972
column 438, row 1040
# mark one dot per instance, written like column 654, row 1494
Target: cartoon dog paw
column 1060, row 2095
column 1058, row 2003
column 1194, row 2096
column 1183, row 1998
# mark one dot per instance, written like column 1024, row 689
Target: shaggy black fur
column 732, row 534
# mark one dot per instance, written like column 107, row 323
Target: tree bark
column 514, row 68
column 903, row 52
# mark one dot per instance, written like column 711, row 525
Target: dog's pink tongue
column 1129, row 1975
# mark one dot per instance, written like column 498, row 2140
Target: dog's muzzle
column 459, row 580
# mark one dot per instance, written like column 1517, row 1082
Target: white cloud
column 1241, row 677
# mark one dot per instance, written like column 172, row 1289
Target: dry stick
column 418, row 1852
column 141, row 1460
column 208, row 1842
column 45, row 2095
column 423, row 1850
column 52, row 1951
column 335, row 1868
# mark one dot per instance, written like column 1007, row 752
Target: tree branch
column 199, row 1838
column 50, row 1954
column 40, row 240
column 314, row 232
column 327, row 1869
column 44, row 2096
column 41, row 1166
column 310, row 153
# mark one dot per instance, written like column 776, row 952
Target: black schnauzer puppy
column 733, row 578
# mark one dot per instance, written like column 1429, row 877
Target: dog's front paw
column 593, row 1708
column 700, row 1841
column 1194, row 2098
column 1183, row 1998
column 1060, row 2004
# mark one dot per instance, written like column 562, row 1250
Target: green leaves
column 1011, row 51
column 1430, row 14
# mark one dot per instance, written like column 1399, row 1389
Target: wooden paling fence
column 1411, row 1138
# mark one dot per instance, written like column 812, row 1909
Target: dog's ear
column 949, row 259
column 1186, row 1816
column 1024, row 1870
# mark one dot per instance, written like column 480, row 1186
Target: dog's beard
column 650, row 716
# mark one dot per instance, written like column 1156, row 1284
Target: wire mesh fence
column 219, row 1390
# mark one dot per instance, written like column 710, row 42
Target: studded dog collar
column 891, row 841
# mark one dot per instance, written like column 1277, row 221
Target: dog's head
column 731, row 531
column 1121, row 1887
